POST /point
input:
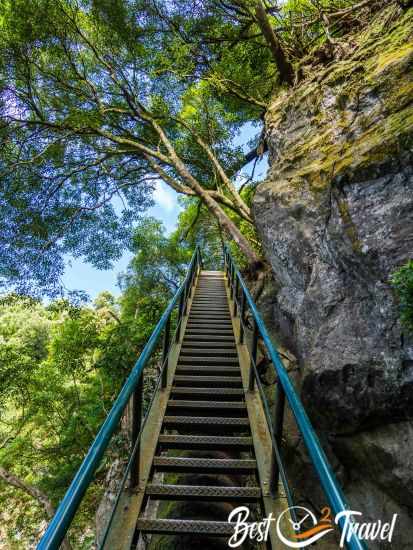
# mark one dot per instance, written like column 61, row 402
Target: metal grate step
column 215, row 298
column 195, row 423
column 209, row 316
column 226, row 394
column 213, row 408
column 213, row 305
column 211, row 334
column 209, row 345
column 210, row 311
column 208, row 306
column 202, row 381
column 207, row 442
column 213, row 351
column 204, row 493
column 185, row 527
column 212, row 357
column 204, row 465
column 209, row 339
column 197, row 360
column 206, row 370
column 209, row 324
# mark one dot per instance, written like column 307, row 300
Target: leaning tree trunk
column 284, row 67
column 35, row 493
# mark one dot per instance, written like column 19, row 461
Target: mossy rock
column 348, row 119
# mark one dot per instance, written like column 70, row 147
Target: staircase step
column 217, row 305
column 209, row 316
column 217, row 287
column 199, row 360
column 207, row 442
column 203, row 381
column 210, row 334
column 210, row 321
column 209, row 345
column 204, row 493
column 204, row 465
column 209, row 324
column 207, row 370
column 213, row 337
column 213, row 408
column 208, row 306
column 224, row 316
column 205, row 311
column 199, row 423
column 185, row 527
column 230, row 351
column 209, row 330
column 207, row 290
column 218, row 297
column 209, row 339
column 226, row 394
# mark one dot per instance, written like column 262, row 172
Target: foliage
column 402, row 281
column 61, row 367
column 99, row 99
column 55, row 390
column 90, row 115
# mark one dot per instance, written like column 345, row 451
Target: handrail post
column 186, row 293
column 192, row 278
column 278, row 434
column 165, row 352
column 137, row 402
column 241, row 317
column 180, row 315
column 236, row 297
column 231, row 281
column 254, row 347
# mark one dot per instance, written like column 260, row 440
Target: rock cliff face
column 335, row 216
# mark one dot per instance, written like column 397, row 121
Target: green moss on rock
column 351, row 116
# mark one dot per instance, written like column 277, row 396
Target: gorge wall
column 335, row 216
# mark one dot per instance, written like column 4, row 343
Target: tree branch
column 284, row 67
column 35, row 493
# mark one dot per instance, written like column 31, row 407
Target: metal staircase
column 208, row 439
column 206, row 414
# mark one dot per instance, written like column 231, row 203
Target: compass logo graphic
column 307, row 529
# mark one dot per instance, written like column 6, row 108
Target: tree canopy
column 101, row 98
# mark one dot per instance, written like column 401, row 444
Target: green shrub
column 402, row 281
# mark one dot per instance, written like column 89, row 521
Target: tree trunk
column 226, row 223
column 35, row 493
column 284, row 67
column 231, row 229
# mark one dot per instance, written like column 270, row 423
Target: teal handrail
column 319, row 460
column 60, row 523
